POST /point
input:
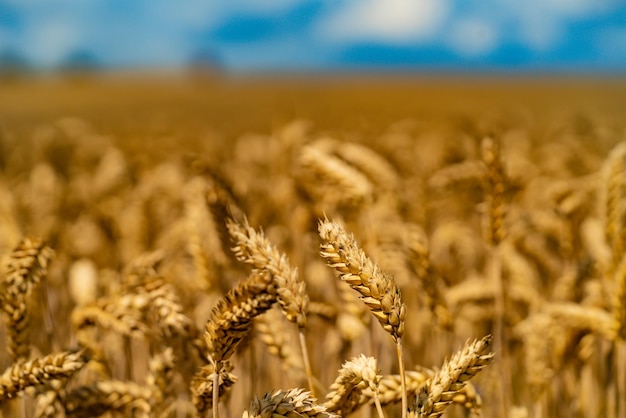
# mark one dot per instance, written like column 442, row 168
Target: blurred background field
column 131, row 132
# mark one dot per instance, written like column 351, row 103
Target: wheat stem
column 379, row 407
column 405, row 404
column 216, row 390
column 307, row 362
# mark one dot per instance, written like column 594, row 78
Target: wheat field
column 312, row 248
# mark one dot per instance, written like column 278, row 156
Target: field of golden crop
column 397, row 246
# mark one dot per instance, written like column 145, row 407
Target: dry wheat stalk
column 202, row 385
column 377, row 290
column 440, row 390
column 21, row 375
column 108, row 396
column 355, row 376
column 287, row 404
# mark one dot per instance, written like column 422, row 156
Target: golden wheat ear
column 377, row 290
column 27, row 266
column 355, row 376
column 109, row 396
column 22, row 375
column 252, row 247
column 439, row 391
column 287, row 404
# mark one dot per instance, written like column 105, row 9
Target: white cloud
column 473, row 37
column 390, row 21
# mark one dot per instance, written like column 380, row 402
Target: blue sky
column 322, row 35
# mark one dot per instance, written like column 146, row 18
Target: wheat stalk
column 377, row 290
column 202, row 385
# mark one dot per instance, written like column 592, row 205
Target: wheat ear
column 390, row 389
column 160, row 379
column 231, row 321
column 377, row 290
column 108, row 396
column 330, row 179
column 614, row 211
column 272, row 331
column 354, row 377
column 287, row 404
column 254, row 248
column 440, row 390
column 495, row 185
column 27, row 265
column 21, row 375
column 419, row 260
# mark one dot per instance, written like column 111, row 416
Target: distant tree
column 13, row 64
column 205, row 60
column 80, row 61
